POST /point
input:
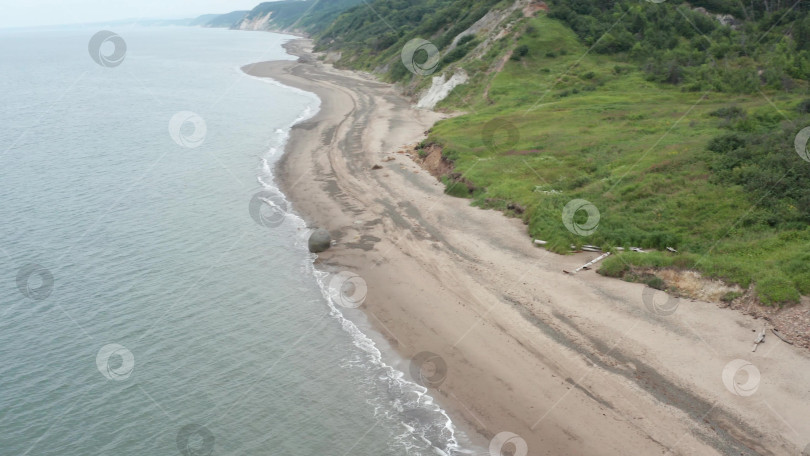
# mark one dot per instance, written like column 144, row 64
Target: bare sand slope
column 572, row 364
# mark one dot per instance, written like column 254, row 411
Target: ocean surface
column 156, row 293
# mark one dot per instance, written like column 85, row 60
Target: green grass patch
column 635, row 149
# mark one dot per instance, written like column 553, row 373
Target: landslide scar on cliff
column 429, row 157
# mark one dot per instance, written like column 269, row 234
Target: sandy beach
column 572, row 364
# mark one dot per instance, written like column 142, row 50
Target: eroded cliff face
column 256, row 23
column 491, row 27
column 440, row 88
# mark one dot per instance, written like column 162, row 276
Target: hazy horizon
column 43, row 13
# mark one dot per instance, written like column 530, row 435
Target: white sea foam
column 410, row 396
column 422, row 400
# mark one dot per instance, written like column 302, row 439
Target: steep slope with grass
column 676, row 121
column 304, row 16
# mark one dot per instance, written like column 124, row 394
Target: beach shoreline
column 570, row 364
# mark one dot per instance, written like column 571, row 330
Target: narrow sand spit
column 572, row 364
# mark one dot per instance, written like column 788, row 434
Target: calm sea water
column 144, row 311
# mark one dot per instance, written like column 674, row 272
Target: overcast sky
column 26, row 13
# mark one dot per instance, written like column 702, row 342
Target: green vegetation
column 676, row 44
column 372, row 36
column 310, row 16
column 677, row 127
column 730, row 296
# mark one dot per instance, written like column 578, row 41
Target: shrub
column 654, row 281
column 454, row 55
column 455, row 188
column 613, row 266
column 728, row 112
column 775, row 289
column 726, row 143
column 520, row 52
column 465, row 39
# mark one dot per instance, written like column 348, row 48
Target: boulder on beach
column 319, row 240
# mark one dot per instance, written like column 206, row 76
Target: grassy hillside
column 303, row 15
column 372, row 36
column 677, row 128
column 638, row 150
column 226, row 20
column 203, row 20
